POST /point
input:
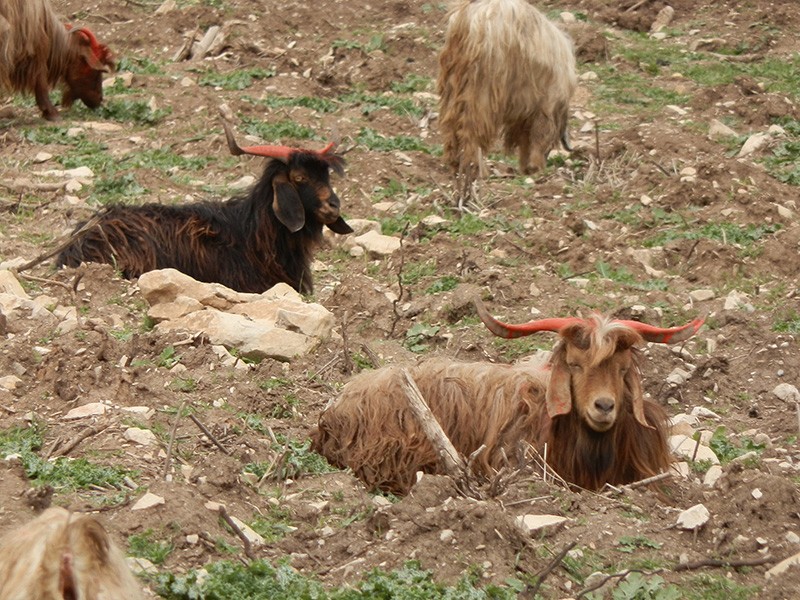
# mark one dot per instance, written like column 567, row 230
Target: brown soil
column 640, row 156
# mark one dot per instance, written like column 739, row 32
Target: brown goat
column 586, row 404
column 248, row 244
column 38, row 52
column 504, row 68
column 64, row 556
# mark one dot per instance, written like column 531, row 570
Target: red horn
column 280, row 152
column 665, row 336
column 510, row 332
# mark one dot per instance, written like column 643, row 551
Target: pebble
column 693, row 518
column 787, row 392
column 149, row 500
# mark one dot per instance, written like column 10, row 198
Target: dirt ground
column 571, row 229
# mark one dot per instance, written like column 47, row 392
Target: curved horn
column 510, row 332
column 282, row 153
column 665, row 336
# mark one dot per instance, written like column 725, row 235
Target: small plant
column 144, row 546
column 378, row 143
column 168, row 357
column 274, row 525
column 295, row 459
column 276, row 131
column 183, row 384
column 417, row 335
column 726, row 451
column 131, row 111
column 630, row 544
column 443, row 284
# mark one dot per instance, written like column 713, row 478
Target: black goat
column 248, row 243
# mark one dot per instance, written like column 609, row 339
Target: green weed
column 417, row 336
column 126, row 110
column 296, row 460
column 443, row 284
column 276, row 131
column 168, row 357
column 144, row 546
column 726, row 451
column 183, row 384
column 379, row 143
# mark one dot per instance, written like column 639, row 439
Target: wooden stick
column 371, row 355
column 449, row 459
column 208, row 434
column 713, row 562
column 549, row 568
column 248, row 547
column 172, row 439
column 86, row 433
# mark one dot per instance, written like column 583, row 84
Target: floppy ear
column 286, row 204
column 339, row 226
column 634, row 386
column 559, row 394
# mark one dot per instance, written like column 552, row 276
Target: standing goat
column 504, row 68
column 37, row 53
column 64, row 556
column 248, row 244
column 586, row 404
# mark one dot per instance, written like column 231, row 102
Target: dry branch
column 248, row 547
column 713, row 562
column 208, row 434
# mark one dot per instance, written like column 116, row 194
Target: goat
column 64, row 556
column 585, row 403
column 248, row 243
column 37, row 53
column 504, row 67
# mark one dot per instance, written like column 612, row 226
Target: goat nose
column 604, row 405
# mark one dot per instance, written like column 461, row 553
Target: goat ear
column 339, row 226
column 559, row 392
column 634, row 386
column 286, row 203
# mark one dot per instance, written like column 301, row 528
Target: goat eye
column 299, row 178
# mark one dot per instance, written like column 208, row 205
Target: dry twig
column 248, row 547
column 208, row 434
column 540, row 576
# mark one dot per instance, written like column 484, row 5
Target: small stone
column 535, row 524
column 783, row 566
column 753, row 143
column 701, row 295
column 719, row 129
column 92, row 409
column 567, row 17
column 139, row 565
column 693, row 518
column 446, row 535
column 42, row 157
column 712, row 476
column 787, row 392
column 192, row 539
column 149, row 500
column 144, row 437
column 792, row 538
column 757, row 494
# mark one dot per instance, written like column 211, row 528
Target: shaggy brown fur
column 586, row 404
column 64, row 556
column 504, row 68
column 37, row 53
column 248, row 244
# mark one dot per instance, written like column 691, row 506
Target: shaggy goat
column 64, row 556
column 586, row 404
column 37, row 53
column 504, row 67
column 248, row 244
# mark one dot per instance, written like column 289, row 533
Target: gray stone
column 753, row 143
column 377, row 244
column 92, row 409
column 787, row 392
column 783, row 566
column 149, row 500
column 10, row 285
column 693, row 518
column 144, row 437
column 537, row 524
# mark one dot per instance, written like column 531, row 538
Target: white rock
column 10, row 285
column 92, row 409
column 719, row 129
column 144, row 437
column 712, row 476
column 663, row 19
column 532, row 524
column 678, row 376
column 381, row 502
column 144, row 412
column 243, row 182
column 682, row 445
column 701, row 295
column 10, row 382
column 735, row 300
column 588, row 76
column 783, row 566
column 645, row 200
column 446, row 535
column 757, row 494
column 787, row 392
column 701, row 411
column 192, row 539
column 42, row 157
column 580, row 282
column 253, row 537
column 681, row 469
column 792, row 538
column 149, row 500
column 753, row 143
column 694, row 517
column 378, row 244
column 784, row 212
column 139, row 565
column 677, row 110
column 688, row 171
column 567, row 17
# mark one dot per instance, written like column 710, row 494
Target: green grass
column 727, row 451
column 144, row 546
column 262, row 581
column 298, row 460
column 379, row 143
column 236, row 80
column 724, row 233
column 279, row 130
column 320, row 105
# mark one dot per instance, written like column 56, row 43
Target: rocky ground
column 679, row 199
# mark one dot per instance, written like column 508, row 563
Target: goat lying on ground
column 248, row 243
column 504, row 67
column 586, row 404
column 37, row 53
column 64, row 556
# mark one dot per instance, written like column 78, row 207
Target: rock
column 693, row 518
column 685, row 446
column 10, row 382
column 567, row 18
column 737, row 301
column 42, row 157
column 446, row 535
column 753, row 143
column 678, row 376
column 681, row 112
column 243, row 182
column 167, row 6
column 787, row 392
column 783, row 566
column 149, row 500
column 792, row 537
column 701, row 295
column 663, row 19
column 712, row 476
column 10, row 285
column 144, row 437
column 253, row 537
column 538, row 524
column 681, row 469
column 709, row 45
column 377, row 244
column 701, row 411
column 719, row 129
column 139, row 565
column 180, row 307
column 92, row 409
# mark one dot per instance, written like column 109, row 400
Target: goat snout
column 328, row 212
column 602, row 413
